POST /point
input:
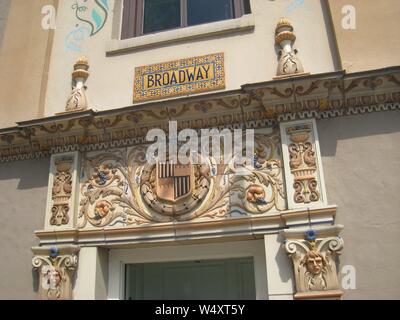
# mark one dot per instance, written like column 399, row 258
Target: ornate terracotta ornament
column 303, row 164
column 289, row 63
column 61, row 192
column 56, row 268
column 256, row 194
column 175, row 189
column 120, row 188
column 314, row 262
column 77, row 100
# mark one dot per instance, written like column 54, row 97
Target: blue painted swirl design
column 95, row 18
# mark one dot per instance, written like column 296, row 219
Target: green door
column 207, row 279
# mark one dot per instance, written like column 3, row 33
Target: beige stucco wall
column 23, row 62
column 23, row 186
column 375, row 40
column 361, row 157
column 250, row 56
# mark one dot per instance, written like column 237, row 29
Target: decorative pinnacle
column 284, row 31
column 284, row 22
column 81, row 68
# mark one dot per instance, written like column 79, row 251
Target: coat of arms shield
column 174, row 182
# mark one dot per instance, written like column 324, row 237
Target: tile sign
column 179, row 77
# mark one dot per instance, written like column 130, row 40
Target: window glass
column 161, row 15
column 203, row 11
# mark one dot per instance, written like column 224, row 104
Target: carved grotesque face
column 55, row 279
column 314, row 262
column 52, row 278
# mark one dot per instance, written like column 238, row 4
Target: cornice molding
column 224, row 229
column 258, row 105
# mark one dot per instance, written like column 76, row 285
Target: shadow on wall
column 31, row 174
column 330, row 131
column 331, row 34
column 281, row 258
column 35, row 280
column 4, row 8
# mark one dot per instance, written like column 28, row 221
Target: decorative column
column 303, row 166
column 289, row 63
column 63, row 184
column 56, row 267
column 313, row 253
column 77, row 100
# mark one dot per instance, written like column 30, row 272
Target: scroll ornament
column 303, row 164
column 121, row 188
column 61, row 193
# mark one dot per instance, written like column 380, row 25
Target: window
column 142, row 17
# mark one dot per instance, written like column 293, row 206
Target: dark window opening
column 161, row 15
column 142, row 17
column 204, row 11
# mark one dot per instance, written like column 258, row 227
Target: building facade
column 310, row 214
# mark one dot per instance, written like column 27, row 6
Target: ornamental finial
column 77, row 100
column 289, row 64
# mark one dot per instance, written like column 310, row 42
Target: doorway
column 220, row 279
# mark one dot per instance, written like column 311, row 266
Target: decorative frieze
column 256, row 106
column 304, row 177
column 56, row 267
column 313, row 253
column 62, row 190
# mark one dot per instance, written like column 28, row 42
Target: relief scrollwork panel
column 260, row 190
column 120, row 188
column 303, row 166
column 62, row 191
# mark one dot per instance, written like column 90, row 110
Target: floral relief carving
column 61, row 192
column 120, row 188
column 303, row 164
column 125, row 189
column 261, row 190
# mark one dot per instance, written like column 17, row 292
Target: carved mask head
column 314, row 262
column 55, row 279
